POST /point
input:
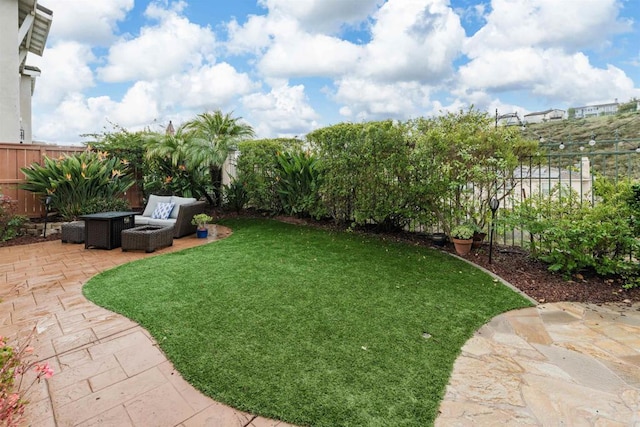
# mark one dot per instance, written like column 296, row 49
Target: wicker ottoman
column 73, row 232
column 146, row 238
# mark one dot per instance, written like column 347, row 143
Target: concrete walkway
column 556, row 364
column 108, row 370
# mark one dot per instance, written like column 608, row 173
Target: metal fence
column 566, row 170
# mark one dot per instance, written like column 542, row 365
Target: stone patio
column 555, row 364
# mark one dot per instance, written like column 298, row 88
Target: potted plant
column 439, row 239
column 478, row 235
column 201, row 221
column 462, row 237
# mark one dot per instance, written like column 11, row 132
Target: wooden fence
column 16, row 156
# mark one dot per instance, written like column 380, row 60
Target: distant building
column 509, row 119
column 24, row 28
column 531, row 181
column 544, row 116
column 596, row 110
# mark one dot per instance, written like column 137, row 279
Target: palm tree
column 170, row 157
column 211, row 137
column 171, row 147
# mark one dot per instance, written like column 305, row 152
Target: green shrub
column 74, row 180
column 10, row 223
column 572, row 236
column 365, row 170
column 258, row 166
column 101, row 204
column 235, row 195
column 298, row 180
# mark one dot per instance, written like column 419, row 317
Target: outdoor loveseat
column 171, row 211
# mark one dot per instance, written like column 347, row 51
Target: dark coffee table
column 102, row 230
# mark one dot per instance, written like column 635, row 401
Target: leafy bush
column 235, row 195
column 298, row 180
column 126, row 146
column 101, row 204
column 258, row 166
column 171, row 169
column 572, row 236
column 364, row 170
column 459, row 162
column 74, row 180
column 10, row 223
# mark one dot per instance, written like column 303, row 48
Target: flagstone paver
column 552, row 365
column 555, row 364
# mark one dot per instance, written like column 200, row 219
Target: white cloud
column 65, row 69
column 413, row 40
column 252, row 37
column 550, row 74
column 208, row 88
column 284, row 111
column 547, row 23
column 367, row 100
column 322, row 15
column 91, row 22
column 172, row 46
column 303, row 54
column 72, row 117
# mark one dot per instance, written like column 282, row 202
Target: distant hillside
column 608, row 158
column 579, row 132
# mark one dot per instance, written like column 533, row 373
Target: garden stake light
column 494, row 203
column 47, row 208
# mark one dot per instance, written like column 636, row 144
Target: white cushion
column 163, row 222
column 153, row 202
column 162, row 211
column 179, row 201
column 142, row 220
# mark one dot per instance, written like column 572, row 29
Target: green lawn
column 308, row 326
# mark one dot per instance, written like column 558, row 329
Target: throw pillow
column 162, row 211
column 153, row 202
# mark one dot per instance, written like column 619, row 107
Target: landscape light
column 592, row 141
column 561, row 146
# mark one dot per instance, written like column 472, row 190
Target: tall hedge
column 257, row 169
column 364, row 168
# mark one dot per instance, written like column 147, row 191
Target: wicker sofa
column 180, row 218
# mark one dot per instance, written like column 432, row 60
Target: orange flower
column 168, row 179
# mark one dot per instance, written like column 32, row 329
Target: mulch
column 511, row 264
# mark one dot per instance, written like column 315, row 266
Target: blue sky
column 290, row 66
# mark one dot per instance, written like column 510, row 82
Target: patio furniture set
column 163, row 219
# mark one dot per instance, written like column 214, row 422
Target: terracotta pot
column 463, row 246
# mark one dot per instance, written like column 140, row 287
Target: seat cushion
column 153, row 202
column 142, row 220
column 178, row 201
column 162, row 222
